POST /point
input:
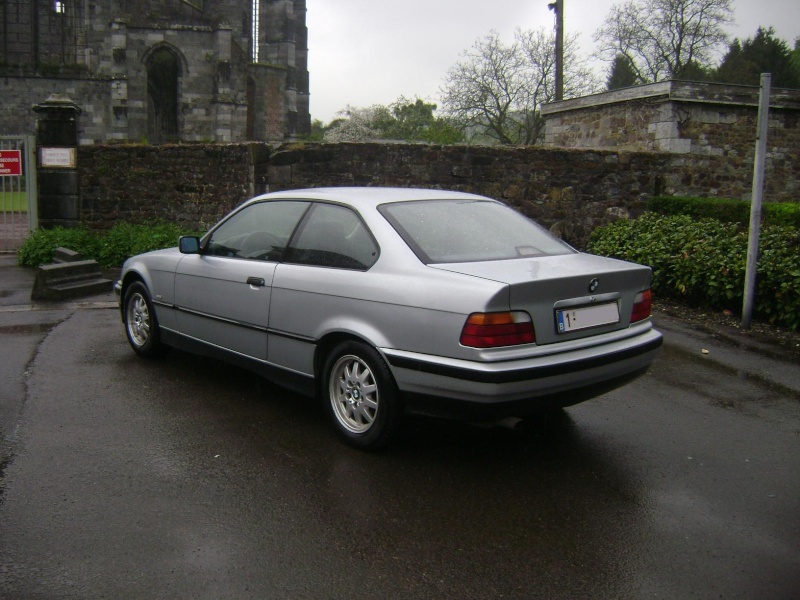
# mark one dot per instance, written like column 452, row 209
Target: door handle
column 256, row 281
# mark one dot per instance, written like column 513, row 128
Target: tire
column 361, row 396
column 141, row 325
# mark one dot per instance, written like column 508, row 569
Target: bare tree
column 663, row 38
column 487, row 89
column 539, row 51
column 496, row 91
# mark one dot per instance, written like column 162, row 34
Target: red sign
column 10, row 162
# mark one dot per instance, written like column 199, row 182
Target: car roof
column 368, row 196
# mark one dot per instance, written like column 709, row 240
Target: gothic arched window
column 163, row 72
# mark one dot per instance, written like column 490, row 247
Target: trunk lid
column 568, row 296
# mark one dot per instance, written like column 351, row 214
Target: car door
column 223, row 294
column 323, row 277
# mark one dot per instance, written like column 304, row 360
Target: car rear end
column 574, row 325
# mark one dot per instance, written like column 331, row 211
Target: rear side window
column 448, row 231
column 333, row 236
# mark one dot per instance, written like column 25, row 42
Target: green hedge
column 728, row 211
column 703, row 262
column 40, row 246
column 109, row 249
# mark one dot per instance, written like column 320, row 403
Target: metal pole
column 755, row 207
column 558, row 7
column 30, row 183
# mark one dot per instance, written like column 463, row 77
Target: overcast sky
column 365, row 52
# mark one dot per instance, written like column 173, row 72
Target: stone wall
column 569, row 191
column 687, row 118
column 192, row 185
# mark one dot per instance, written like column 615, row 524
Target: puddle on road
column 725, row 385
column 24, row 329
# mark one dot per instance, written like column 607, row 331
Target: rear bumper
column 540, row 382
column 450, row 408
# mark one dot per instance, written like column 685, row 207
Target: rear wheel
column 141, row 326
column 361, row 395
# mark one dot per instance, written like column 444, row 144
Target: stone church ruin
column 158, row 71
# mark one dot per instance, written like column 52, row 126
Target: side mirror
column 189, row 244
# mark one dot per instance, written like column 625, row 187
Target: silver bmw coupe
column 383, row 301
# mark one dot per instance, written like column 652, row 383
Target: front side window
column 450, row 231
column 333, row 236
column 259, row 231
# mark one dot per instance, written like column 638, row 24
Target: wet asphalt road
column 185, row 478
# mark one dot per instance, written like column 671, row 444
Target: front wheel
column 362, row 397
column 141, row 326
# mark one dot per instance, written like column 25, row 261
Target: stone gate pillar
column 57, row 165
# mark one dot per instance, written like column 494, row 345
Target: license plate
column 573, row 319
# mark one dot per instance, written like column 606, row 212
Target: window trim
column 301, row 223
column 425, row 258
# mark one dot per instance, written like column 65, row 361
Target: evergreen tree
column 745, row 61
column 693, row 71
column 621, row 74
column 796, row 58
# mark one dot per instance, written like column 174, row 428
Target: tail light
column 641, row 306
column 492, row 330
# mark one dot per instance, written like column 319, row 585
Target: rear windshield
column 449, row 231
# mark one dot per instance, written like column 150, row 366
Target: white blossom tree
column 355, row 124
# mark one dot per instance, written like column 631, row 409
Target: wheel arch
column 331, row 340
column 371, row 383
column 129, row 278
column 140, row 322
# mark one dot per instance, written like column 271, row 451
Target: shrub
column 41, row 245
column 109, row 249
column 125, row 240
column 726, row 210
column 703, row 262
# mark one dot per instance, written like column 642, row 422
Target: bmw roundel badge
column 593, row 285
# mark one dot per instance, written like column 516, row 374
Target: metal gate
column 18, row 199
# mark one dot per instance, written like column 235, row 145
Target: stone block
column 666, row 131
column 675, row 146
column 69, row 280
column 65, row 255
